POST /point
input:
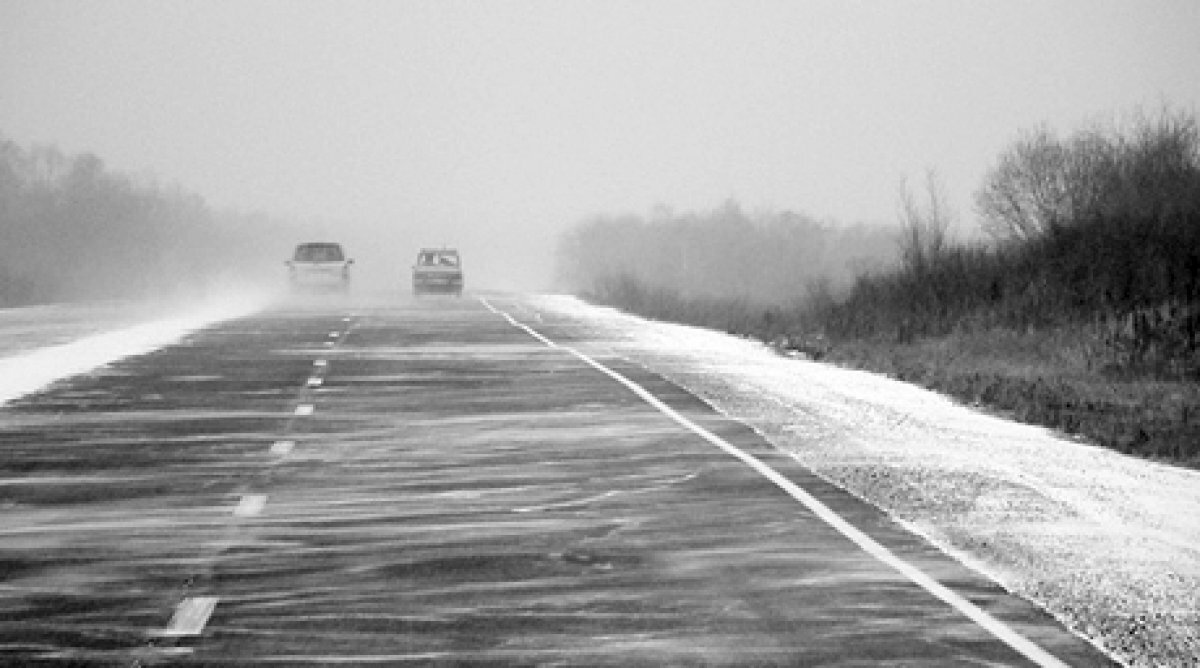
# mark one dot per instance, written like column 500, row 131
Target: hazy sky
column 493, row 124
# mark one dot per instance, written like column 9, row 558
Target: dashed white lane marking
column 346, row 319
column 190, row 616
column 250, row 505
column 998, row 629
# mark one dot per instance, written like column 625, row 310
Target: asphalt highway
column 442, row 482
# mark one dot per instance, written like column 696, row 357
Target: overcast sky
column 500, row 122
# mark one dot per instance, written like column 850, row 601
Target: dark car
column 319, row 265
column 437, row 271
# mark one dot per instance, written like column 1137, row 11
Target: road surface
column 443, row 482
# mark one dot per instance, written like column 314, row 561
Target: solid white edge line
column 998, row 629
column 191, row 615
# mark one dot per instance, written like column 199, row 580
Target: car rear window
column 438, row 258
column 319, row 253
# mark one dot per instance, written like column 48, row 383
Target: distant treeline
column 70, row 229
column 721, row 257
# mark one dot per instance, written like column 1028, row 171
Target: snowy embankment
column 42, row 344
column 1107, row 543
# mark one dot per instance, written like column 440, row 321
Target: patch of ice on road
column 1108, row 543
column 32, row 369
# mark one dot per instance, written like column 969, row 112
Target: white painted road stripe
column 867, row 544
column 282, row 447
column 334, row 335
column 250, row 505
column 320, row 362
column 304, row 409
column 190, row 616
column 315, row 381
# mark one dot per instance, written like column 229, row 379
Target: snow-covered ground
column 42, row 344
column 1109, row 544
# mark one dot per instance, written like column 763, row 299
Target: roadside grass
column 1026, row 377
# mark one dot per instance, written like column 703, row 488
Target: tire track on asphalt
column 993, row 626
column 194, row 610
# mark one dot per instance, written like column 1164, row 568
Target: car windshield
column 319, row 253
column 438, row 258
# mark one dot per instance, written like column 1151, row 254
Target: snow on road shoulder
column 33, row 369
column 1107, row 543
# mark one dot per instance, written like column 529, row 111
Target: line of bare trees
column 70, row 229
column 1101, row 227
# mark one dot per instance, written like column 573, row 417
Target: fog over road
column 422, row 482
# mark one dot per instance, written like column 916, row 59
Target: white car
column 319, row 265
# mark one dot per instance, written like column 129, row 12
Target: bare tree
column 924, row 225
column 1026, row 194
column 1156, row 165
